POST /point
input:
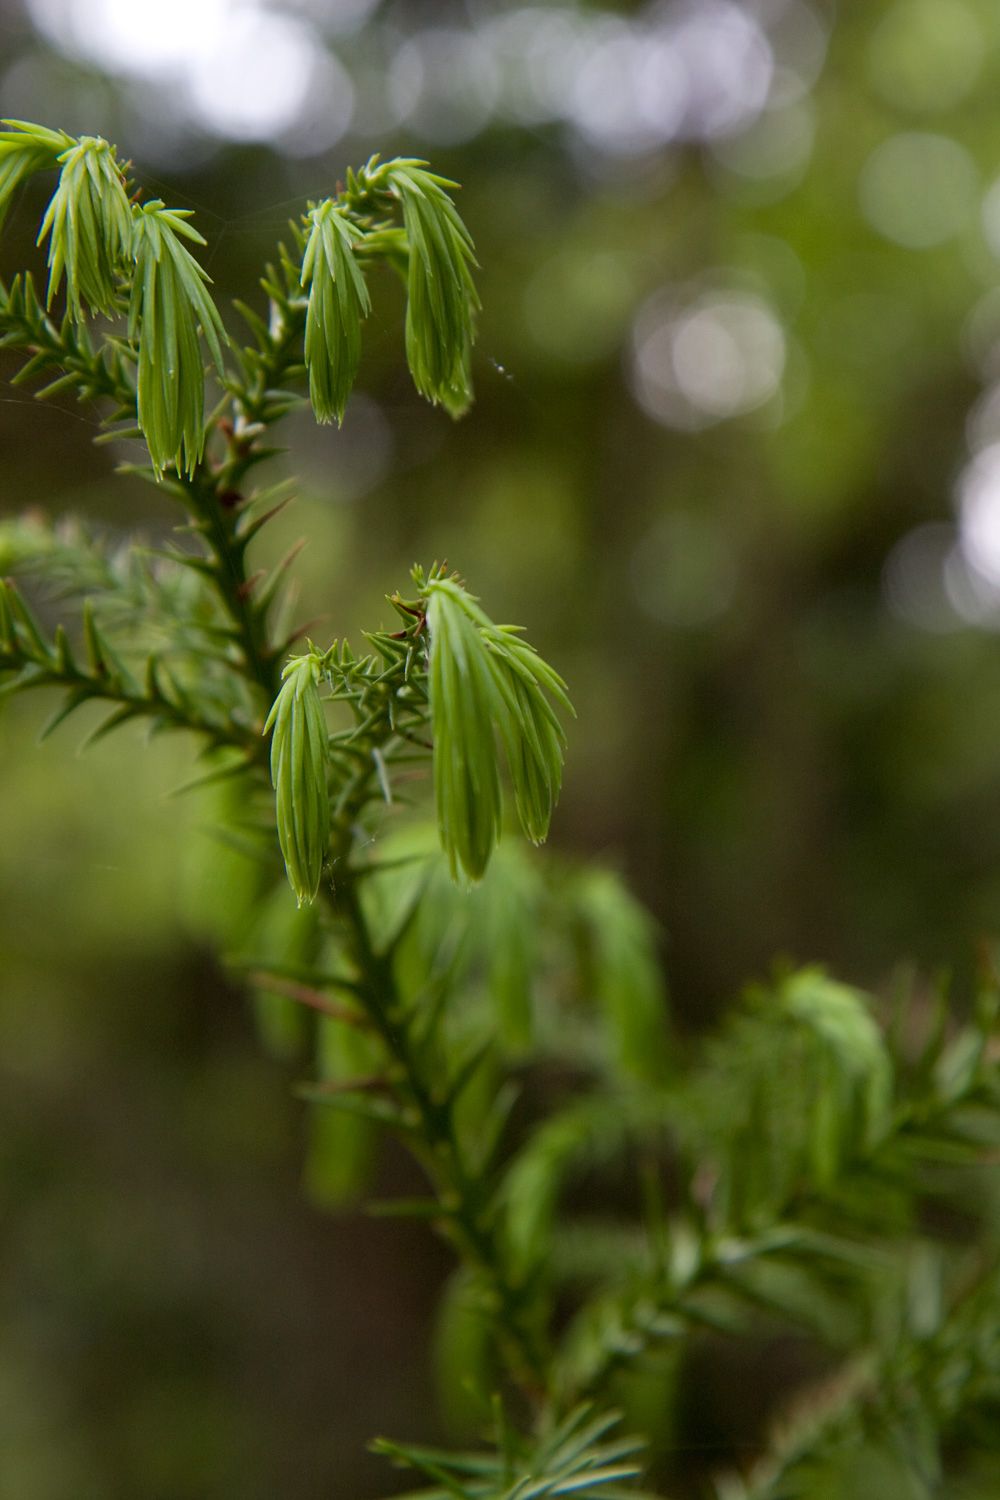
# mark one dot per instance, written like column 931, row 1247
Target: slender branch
column 94, row 374
column 259, row 393
column 215, row 515
column 83, row 687
column 208, row 494
column 214, row 494
column 466, row 1212
column 306, row 994
column 653, row 1308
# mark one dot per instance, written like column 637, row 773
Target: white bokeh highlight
column 443, row 84
column 979, row 513
column 919, row 189
column 692, row 70
column 151, row 40
column 697, row 363
column 684, row 70
column 941, row 577
column 237, row 69
column 255, row 86
column 628, row 93
column 915, row 579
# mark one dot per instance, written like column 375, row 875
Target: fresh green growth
column 24, row 150
column 485, row 682
column 168, row 303
column 116, row 253
column 822, row 1168
column 338, row 300
column 300, row 757
column 442, row 302
column 89, row 227
column 571, row 1460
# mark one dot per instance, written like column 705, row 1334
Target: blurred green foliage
column 788, row 734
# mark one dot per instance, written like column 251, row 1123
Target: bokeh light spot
column 982, row 425
column 777, row 145
column 255, row 86
column 919, row 189
column 631, row 85
column 729, row 64
column 974, row 598
column 326, row 111
column 721, row 357
column 343, row 463
column 979, row 512
column 238, row 70
column 926, row 55
column 981, row 335
column 630, row 92
column 444, row 84
column 154, row 38
column 991, row 217
column 913, row 579
column 628, row 85
column 538, row 51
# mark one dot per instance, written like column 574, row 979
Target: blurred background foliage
column 735, row 461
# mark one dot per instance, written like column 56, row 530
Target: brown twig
column 306, row 995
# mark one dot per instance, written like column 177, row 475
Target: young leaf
column 464, row 710
column 169, row 302
column 569, row 1459
column 442, row 299
column 484, row 680
column 338, row 300
column 23, row 151
column 532, row 735
column 89, row 227
column 299, row 761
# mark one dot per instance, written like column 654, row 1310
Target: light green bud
column 299, row 762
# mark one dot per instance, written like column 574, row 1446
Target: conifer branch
column 101, row 374
column 467, row 1215
column 34, row 661
column 804, row 1146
